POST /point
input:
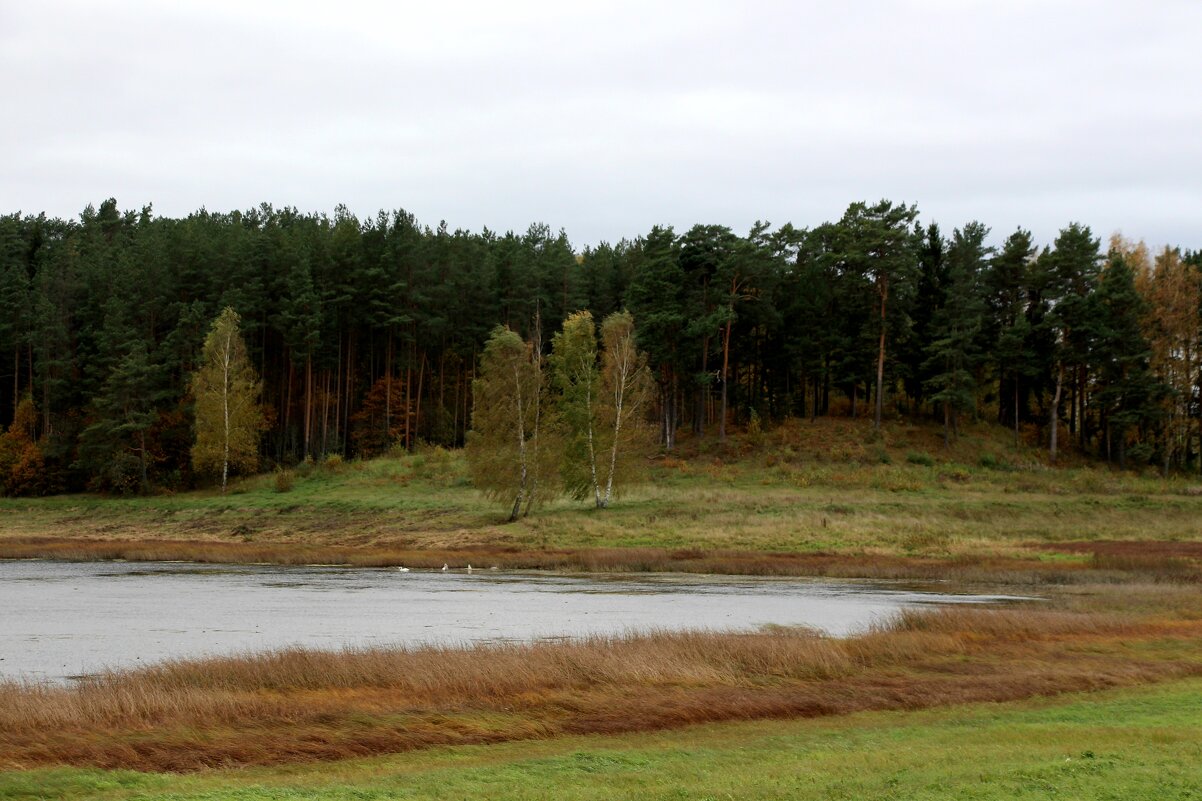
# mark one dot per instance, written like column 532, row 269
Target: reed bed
column 298, row 705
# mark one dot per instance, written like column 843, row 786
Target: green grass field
column 831, row 486
column 1133, row 744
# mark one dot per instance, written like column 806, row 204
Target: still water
column 64, row 619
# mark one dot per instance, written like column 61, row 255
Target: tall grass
column 294, row 705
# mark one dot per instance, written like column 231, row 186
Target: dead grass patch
column 298, row 705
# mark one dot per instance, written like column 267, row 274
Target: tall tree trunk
column 1054, row 422
column 524, row 473
column 16, row 378
column 388, row 389
column 225, row 411
column 349, row 388
column 308, row 403
column 287, row 394
column 725, row 376
column 623, row 378
column 537, row 400
column 1016, row 410
column 417, row 407
column 325, row 412
column 817, row 399
column 592, row 454
column 703, row 399
column 338, row 396
column 29, row 365
column 880, row 359
column 142, row 461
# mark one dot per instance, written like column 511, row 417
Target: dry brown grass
column 297, row 705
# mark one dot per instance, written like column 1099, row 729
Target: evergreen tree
column 1072, row 270
column 953, row 351
column 1008, row 329
column 116, row 447
column 1128, row 393
column 14, row 306
column 658, row 300
column 930, row 294
column 878, row 243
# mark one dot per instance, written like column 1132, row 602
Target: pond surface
column 65, row 619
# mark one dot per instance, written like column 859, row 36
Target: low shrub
column 285, row 480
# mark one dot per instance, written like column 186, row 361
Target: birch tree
column 229, row 420
column 577, row 382
column 626, row 387
column 507, row 459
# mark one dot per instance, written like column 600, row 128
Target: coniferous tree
column 117, row 446
column 953, row 351
column 14, row 305
column 1128, row 393
column 878, row 243
column 657, row 299
column 1007, row 326
column 930, row 292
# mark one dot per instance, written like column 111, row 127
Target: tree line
column 368, row 334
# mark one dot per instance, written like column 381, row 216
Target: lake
column 64, row 619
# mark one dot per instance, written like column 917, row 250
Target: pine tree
column 954, row 352
column 657, row 299
column 1008, row 331
column 878, row 243
column 1128, row 392
column 117, row 446
column 226, row 389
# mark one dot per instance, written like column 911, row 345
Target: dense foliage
column 367, row 333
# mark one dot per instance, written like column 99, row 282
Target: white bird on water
column 469, row 567
column 402, row 568
column 444, row 567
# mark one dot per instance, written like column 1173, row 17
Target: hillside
column 812, row 490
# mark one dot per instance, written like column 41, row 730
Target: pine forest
column 367, row 334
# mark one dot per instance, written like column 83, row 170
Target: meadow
column 830, row 496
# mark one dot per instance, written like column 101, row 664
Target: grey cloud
column 608, row 118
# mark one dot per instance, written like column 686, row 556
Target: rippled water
column 64, row 619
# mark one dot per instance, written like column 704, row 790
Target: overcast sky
column 605, row 118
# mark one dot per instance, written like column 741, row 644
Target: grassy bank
column 1134, row 744
column 297, row 706
column 814, row 490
